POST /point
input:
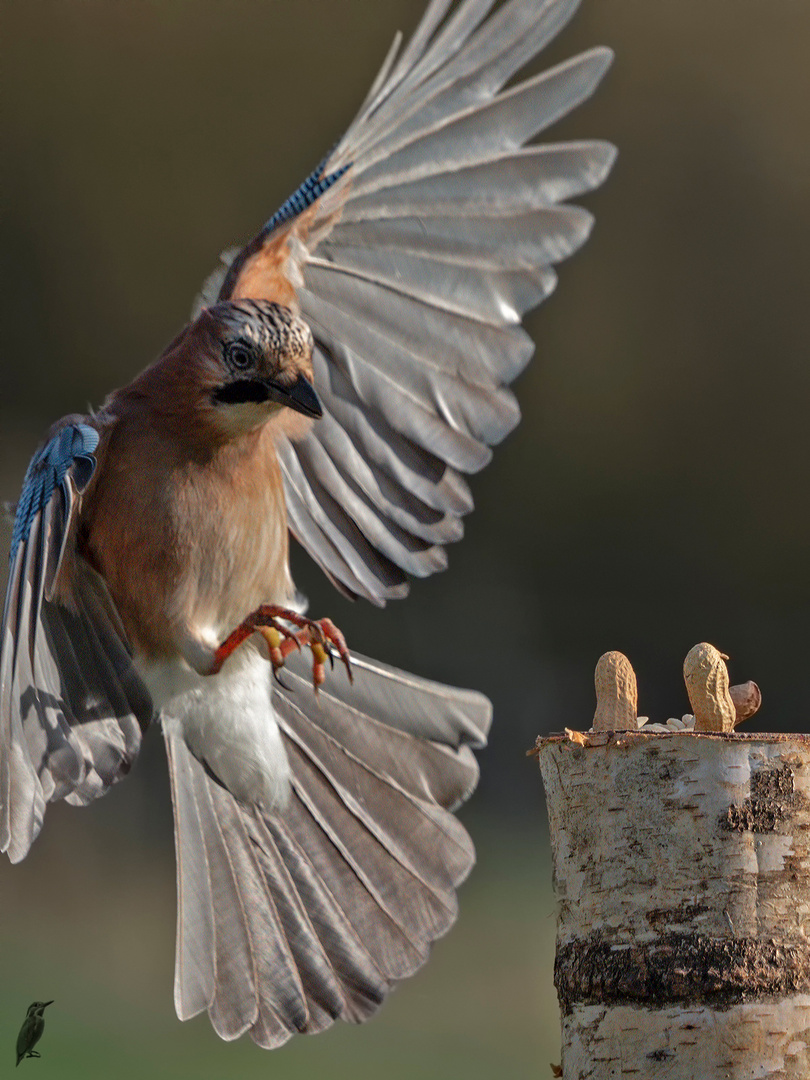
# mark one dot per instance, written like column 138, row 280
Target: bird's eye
column 238, row 356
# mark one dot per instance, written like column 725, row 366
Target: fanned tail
column 288, row 921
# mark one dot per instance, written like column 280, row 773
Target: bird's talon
column 318, row 675
column 322, row 636
column 273, row 638
column 334, row 637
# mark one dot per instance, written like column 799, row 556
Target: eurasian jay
column 341, row 373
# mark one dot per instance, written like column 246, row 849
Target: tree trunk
column 682, row 876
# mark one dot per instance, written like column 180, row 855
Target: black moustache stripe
column 235, row 393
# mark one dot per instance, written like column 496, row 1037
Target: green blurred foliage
column 654, row 496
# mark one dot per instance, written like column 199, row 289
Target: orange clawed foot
column 268, row 620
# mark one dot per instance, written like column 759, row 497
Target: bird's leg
column 318, row 634
column 33, row 1053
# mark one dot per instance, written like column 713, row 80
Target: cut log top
column 627, row 738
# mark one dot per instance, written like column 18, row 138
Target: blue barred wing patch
column 71, row 448
column 219, row 285
column 304, row 196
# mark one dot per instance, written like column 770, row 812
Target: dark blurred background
column 654, row 495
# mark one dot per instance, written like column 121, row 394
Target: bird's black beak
column 300, row 396
column 46, row 1003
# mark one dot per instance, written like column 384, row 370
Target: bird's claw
column 276, row 635
column 324, row 639
column 321, row 635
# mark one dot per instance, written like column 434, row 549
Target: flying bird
column 31, row 1030
column 341, row 374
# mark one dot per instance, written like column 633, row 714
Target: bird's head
column 36, row 1007
column 255, row 359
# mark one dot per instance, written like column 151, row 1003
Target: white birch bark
column 682, row 875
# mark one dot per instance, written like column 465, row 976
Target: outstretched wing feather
column 414, row 270
column 72, row 708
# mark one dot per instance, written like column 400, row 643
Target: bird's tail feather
column 290, row 920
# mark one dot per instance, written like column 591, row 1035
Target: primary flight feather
column 343, row 371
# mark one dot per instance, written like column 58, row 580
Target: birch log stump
column 682, row 874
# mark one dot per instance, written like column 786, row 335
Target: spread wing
column 72, row 708
column 413, row 251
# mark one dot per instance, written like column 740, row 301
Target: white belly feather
column 227, row 722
